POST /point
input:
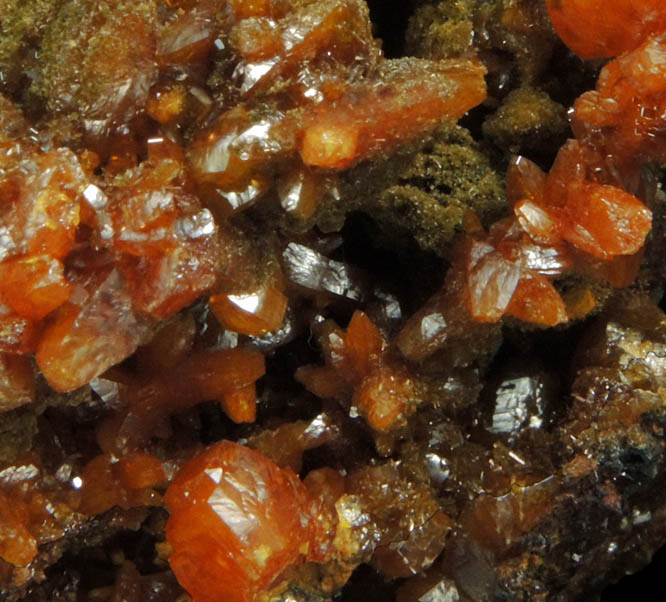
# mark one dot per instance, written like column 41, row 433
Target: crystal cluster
column 357, row 367
column 87, row 268
column 267, row 324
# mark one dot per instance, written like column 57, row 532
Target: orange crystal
column 241, row 404
column 606, row 28
column 363, row 345
column 535, row 300
column 82, row 341
column 125, row 482
column 412, row 98
column 253, row 313
column 17, row 545
column 385, row 397
column 33, row 286
column 237, row 521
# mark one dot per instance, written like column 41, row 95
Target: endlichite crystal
column 602, row 29
column 358, row 366
column 237, row 522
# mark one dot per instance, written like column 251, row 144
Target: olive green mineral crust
column 527, row 121
column 82, row 35
column 21, row 25
column 424, row 195
column 17, row 429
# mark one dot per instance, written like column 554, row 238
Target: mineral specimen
column 275, row 326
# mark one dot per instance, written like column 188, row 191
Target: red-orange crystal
column 605, row 28
column 237, row 521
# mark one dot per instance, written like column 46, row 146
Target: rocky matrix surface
column 288, row 313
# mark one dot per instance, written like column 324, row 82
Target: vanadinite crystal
column 237, row 521
column 289, row 313
column 603, row 28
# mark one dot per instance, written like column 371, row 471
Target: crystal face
column 252, row 513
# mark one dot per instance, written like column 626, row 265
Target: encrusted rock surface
column 282, row 318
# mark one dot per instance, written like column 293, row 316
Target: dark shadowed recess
column 646, row 585
column 389, row 18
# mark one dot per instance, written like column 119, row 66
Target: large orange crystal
column 237, row 521
column 411, row 99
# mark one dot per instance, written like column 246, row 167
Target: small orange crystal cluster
column 358, row 366
column 315, row 95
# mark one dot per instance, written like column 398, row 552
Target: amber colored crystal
column 535, row 300
column 499, row 522
column 372, row 119
column 169, row 345
column 139, row 470
column 606, row 28
column 126, row 482
column 237, row 521
column 33, row 286
column 41, row 208
column 605, row 221
column 385, row 397
column 188, row 37
column 207, row 375
column 322, row 381
column 286, row 444
column 171, row 388
column 253, row 313
column 524, row 180
column 166, row 105
column 491, row 281
column 81, row 341
column 301, row 190
column 17, row 545
column 363, row 344
column 325, row 486
column 579, row 302
column 241, row 404
column 168, row 240
column 539, row 224
column 337, row 30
